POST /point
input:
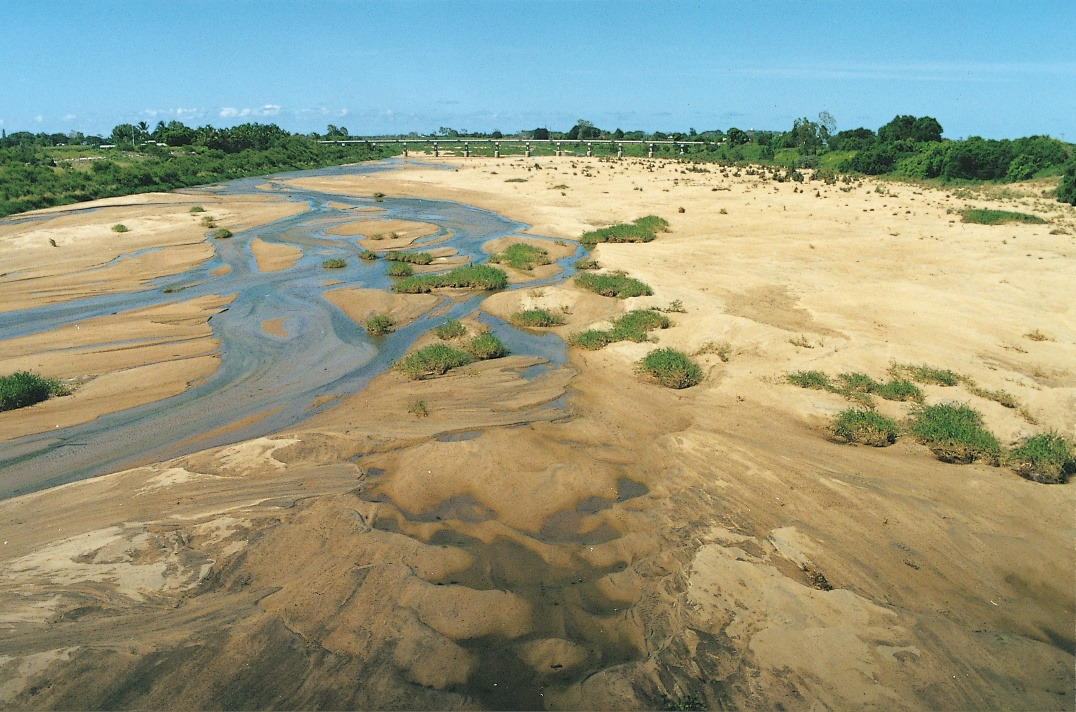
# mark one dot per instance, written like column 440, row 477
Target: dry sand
column 273, row 257
column 629, row 541
column 361, row 304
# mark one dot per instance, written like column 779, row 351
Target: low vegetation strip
column 23, row 388
column 400, row 269
column 614, row 285
column 415, row 258
column 481, row 277
column 451, row 329
column 999, row 217
column 633, row 326
column 643, row 229
column 521, row 256
column 858, row 386
column 955, row 433
column 671, row 368
column 536, row 318
column 379, row 324
column 438, row 359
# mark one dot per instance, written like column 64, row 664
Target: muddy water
column 323, row 352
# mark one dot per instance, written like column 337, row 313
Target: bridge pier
column 405, row 150
column 497, row 150
column 620, row 150
column 527, row 153
column 435, row 151
column 681, row 146
column 558, row 148
column 466, row 149
column 650, row 153
column 590, row 149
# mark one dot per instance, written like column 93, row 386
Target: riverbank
column 577, row 537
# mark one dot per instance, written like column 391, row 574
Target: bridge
column 465, row 143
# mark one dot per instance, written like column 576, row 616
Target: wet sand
column 577, row 537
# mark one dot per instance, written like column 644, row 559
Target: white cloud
column 270, row 110
column 228, row 112
column 70, row 117
column 39, row 118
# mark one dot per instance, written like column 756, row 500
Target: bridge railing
column 465, row 143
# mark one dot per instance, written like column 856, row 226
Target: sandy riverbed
column 584, row 539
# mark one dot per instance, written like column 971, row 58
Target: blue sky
column 994, row 69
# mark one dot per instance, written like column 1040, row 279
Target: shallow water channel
column 260, row 374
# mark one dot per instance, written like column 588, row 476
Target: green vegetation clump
column 1066, row 191
column 856, row 425
column 379, row 324
column 810, row 379
column 486, row 346
column 955, row 433
column 671, row 368
column 586, row 264
column 120, row 228
column 926, row 374
column 1048, row 458
column 334, row 263
column 515, row 180
column 207, row 221
column 431, row 360
column 415, row 258
column 418, row 409
column 367, row 255
column 614, row 285
column 481, row 277
column 633, row 326
column 898, row 389
column 221, row 234
column 642, row 229
column 521, row 256
column 23, row 388
column 533, row 318
column 451, row 329
column 858, row 386
column 400, row 269
column 197, row 209
column 999, row 217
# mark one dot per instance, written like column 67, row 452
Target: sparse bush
column 451, row 329
column 1048, row 458
column 207, row 221
column 586, row 264
column 614, row 285
column 418, row 409
column 592, row 339
column 120, row 228
column 415, row 258
column 521, row 256
column 23, row 388
column 898, row 390
column 676, row 306
column 722, row 349
column 431, row 360
column 486, row 346
column 222, row 234
column 810, row 379
column 534, row 318
column 334, row 263
column 864, row 426
column 955, row 433
column 633, row 326
column 1036, row 335
column 642, row 229
column 926, row 374
column 671, row 368
column 379, row 324
column 481, row 277
column 197, row 209
column 999, row 217
column 400, row 269
column 367, row 256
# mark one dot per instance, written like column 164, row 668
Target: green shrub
column 207, row 221
column 436, row 360
column 197, row 209
column 120, row 228
column 486, row 346
column 415, row 258
column 864, row 426
column 999, row 217
column 23, row 388
column 810, row 379
column 1066, row 191
column 592, row 339
column 379, row 324
column 671, row 368
column 521, row 256
column 614, row 285
column 334, row 263
column 1048, row 458
column 222, row 234
column 367, row 256
column 536, row 318
column 633, row 326
column 451, row 329
column 515, row 180
column 640, row 230
column 418, row 409
column 926, row 374
column 854, row 383
column 481, row 277
column 400, row 269
column 955, row 433
column 586, row 264
column 897, row 389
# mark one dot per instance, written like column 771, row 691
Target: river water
column 323, row 353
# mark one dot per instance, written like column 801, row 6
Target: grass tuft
column 925, row 374
column 221, row 234
column 955, row 433
column 486, row 346
column 1048, row 458
column 334, row 263
column 197, row 209
column 633, row 326
column 431, row 360
column 640, row 230
column 535, row 318
column 810, row 379
column 671, row 368
column 451, row 329
column 23, row 388
column 400, row 269
column 415, row 258
column 586, row 264
column 521, row 256
column 379, row 324
column 856, row 425
column 614, row 285
column 999, row 217
column 721, row 349
column 418, row 409
column 120, row 228
column 481, row 277
column 367, row 256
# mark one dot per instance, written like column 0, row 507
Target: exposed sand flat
column 89, row 258
column 384, row 229
column 275, row 327
column 273, row 257
column 118, row 361
column 361, row 304
column 586, row 539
